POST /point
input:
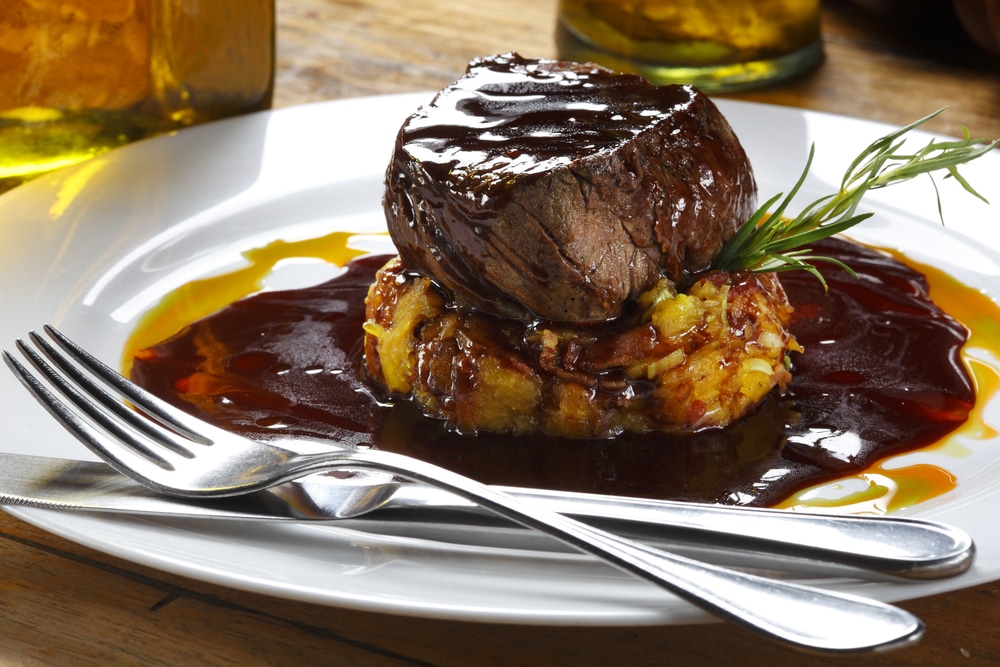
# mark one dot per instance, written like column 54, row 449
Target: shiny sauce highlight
column 883, row 373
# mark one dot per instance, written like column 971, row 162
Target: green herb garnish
column 769, row 241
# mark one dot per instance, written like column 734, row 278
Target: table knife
column 750, row 538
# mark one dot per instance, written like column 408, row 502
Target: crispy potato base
column 679, row 363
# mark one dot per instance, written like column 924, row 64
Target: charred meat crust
column 560, row 191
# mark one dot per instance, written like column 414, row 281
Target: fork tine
column 154, row 406
column 92, row 407
column 100, row 400
column 125, row 460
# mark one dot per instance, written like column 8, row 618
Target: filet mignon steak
column 554, row 190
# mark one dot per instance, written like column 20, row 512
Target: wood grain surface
column 63, row 604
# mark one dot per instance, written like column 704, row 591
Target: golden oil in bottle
column 79, row 77
column 718, row 45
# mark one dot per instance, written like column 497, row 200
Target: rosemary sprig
column 769, row 241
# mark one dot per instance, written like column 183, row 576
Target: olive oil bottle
column 79, row 77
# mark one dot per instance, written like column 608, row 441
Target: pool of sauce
column 882, row 373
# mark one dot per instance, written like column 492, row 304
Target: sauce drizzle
column 288, row 362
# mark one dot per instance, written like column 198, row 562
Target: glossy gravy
column 882, row 373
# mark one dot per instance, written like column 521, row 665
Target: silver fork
column 176, row 454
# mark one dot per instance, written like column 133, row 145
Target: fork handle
column 801, row 616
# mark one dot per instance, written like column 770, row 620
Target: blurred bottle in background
column 79, row 77
column 717, row 45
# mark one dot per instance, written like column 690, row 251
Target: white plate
column 92, row 247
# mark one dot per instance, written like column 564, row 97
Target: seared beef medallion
column 561, row 191
column 555, row 223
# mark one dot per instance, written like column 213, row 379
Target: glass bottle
column 79, row 77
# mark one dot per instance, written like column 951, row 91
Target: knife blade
column 750, row 538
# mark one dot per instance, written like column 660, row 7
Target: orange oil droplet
column 878, row 490
column 201, row 298
column 981, row 316
column 882, row 489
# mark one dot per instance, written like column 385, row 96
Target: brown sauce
column 882, row 373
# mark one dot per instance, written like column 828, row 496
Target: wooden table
column 62, row 604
